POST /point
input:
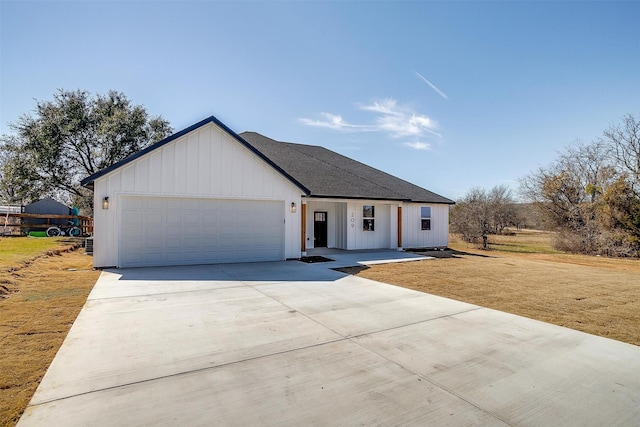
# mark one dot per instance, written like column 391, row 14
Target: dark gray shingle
column 329, row 174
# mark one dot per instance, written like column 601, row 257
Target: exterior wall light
column 105, row 203
column 293, row 207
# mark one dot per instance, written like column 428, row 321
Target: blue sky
column 448, row 95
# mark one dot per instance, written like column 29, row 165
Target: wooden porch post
column 303, row 245
column 399, row 226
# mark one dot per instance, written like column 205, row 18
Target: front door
column 319, row 229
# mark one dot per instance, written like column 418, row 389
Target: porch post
column 303, row 243
column 399, row 227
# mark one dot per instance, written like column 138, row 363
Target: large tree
column 17, row 184
column 69, row 138
column 591, row 193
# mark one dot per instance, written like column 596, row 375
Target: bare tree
column 591, row 193
column 502, row 211
column 624, row 140
column 481, row 213
column 567, row 189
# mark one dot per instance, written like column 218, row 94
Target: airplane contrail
column 438, row 91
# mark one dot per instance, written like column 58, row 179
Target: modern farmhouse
column 208, row 195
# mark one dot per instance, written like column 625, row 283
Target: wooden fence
column 12, row 224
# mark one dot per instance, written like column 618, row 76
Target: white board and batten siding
column 412, row 234
column 198, row 198
column 384, row 235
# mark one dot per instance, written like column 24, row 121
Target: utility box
column 88, row 245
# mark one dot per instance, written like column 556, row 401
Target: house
column 209, row 195
column 46, row 206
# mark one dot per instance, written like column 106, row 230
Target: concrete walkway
column 290, row 343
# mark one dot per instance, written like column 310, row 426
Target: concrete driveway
column 290, row 343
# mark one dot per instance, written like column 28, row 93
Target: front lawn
column 597, row 295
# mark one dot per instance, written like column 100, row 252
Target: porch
column 351, row 224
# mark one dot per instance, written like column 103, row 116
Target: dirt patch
column 17, row 253
column 44, row 299
column 445, row 253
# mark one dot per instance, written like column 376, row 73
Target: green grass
column 16, row 250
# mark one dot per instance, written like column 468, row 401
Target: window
column 368, row 218
column 425, row 218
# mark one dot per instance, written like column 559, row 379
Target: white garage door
column 177, row 231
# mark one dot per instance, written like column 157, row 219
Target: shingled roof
column 318, row 172
column 328, row 174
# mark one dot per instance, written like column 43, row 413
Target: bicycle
column 70, row 229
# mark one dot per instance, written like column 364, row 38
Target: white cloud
column 402, row 125
column 393, row 119
column 417, row 145
column 332, row 121
column 387, row 106
column 400, row 121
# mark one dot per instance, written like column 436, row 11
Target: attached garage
column 201, row 196
column 181, row 231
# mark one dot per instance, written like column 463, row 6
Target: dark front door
column 320, row 229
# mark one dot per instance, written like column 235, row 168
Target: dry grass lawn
column 45, row 291
column 522, row 275
column 14, row 251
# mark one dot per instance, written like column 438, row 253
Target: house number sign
column 353, row 219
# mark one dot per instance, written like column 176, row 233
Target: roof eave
column 318, row 196
column 448, row 202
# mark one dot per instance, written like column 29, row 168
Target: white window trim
column 369, row 218
column 425, row 217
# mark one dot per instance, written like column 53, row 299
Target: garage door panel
column 174, row 231
column 153, row 217
column 208, row 244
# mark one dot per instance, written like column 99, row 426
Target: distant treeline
column 590, row 196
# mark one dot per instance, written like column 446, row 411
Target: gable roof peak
column 88, row 181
